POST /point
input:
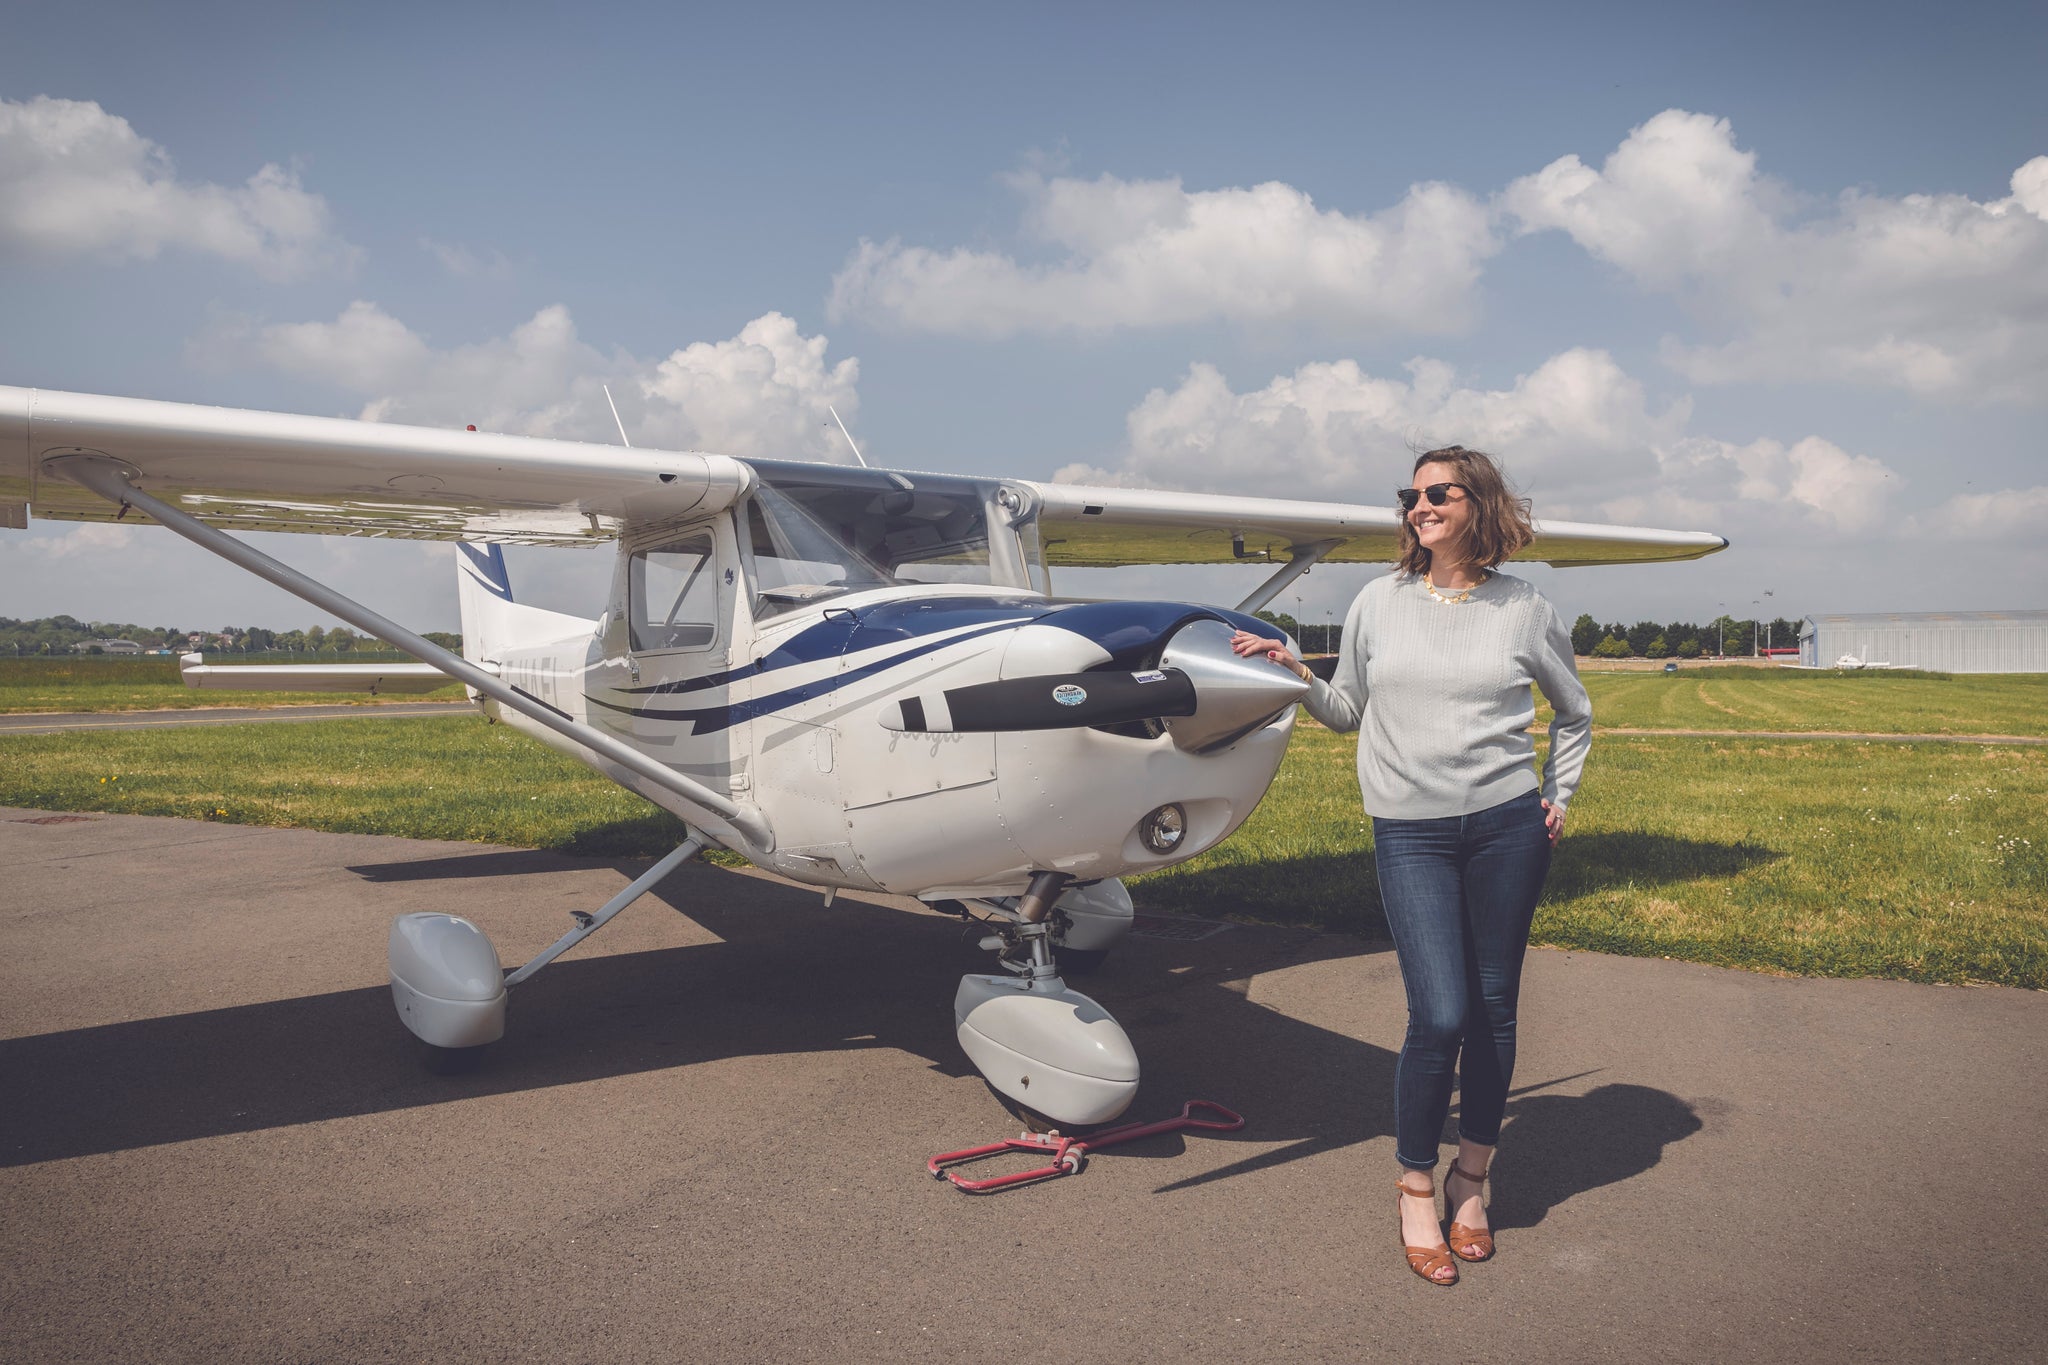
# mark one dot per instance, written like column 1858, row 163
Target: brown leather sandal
column 1468, row 1244
column 1428, row 1262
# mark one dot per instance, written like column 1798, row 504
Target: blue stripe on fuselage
column 706, row 720
column 1130, row 631
column 847, row 630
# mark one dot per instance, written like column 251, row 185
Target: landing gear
column 1088, row 921
column 449, row 989
column 1035, row 1122
column 1043, row 1047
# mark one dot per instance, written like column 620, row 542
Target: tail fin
column 492, row 622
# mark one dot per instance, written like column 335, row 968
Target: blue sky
column 1778, row 275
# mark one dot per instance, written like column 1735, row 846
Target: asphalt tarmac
column 704, row 1137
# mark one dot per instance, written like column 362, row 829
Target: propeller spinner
column 1204, row 693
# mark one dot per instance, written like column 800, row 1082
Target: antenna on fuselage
column 615, row 415
column 847, row 434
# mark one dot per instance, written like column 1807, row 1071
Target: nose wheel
column 1035, row 1122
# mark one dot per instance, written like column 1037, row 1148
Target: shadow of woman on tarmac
column 1561, row 1145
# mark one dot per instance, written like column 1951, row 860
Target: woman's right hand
column 1245, row 645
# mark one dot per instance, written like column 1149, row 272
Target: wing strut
column 588, row 924
column 110, row 479
column 1300, row 561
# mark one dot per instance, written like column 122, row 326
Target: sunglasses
column 1438, row 494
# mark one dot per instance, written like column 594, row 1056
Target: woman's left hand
column 1553, row 820
column 1246, row 644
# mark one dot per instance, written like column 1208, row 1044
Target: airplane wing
column 1101, row 528
column 243, row 470
column 266, row 471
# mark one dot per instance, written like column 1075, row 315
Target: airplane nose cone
column 1233, row 696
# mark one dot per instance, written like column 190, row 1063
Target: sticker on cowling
column 1153, row 675
column 1066, row 694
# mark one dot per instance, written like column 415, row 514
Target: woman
column 1437, row 662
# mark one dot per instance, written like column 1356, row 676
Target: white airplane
column 853, row 677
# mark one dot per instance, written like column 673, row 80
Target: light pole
column 1721, row 624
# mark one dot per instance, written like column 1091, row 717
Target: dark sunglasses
column 1439, row 494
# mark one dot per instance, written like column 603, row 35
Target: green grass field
column 1738, row 698
column 131, row 683
column 1922, row 861
column 438, row 777
column 1833, row 858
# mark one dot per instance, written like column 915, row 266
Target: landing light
column 1163, row 829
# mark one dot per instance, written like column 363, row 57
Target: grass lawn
column 1924, row 861
column 1826, row 857
column 1738, row 698
column 128, row 683
column 437, row 777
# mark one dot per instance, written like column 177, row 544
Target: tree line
column 1314, row 638
column 1724, row 635
column 51, row 635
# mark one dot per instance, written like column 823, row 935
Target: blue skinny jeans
column 1459, row 895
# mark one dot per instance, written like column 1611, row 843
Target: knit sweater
column 1441, row 693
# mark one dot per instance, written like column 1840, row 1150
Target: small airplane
column 856, row 678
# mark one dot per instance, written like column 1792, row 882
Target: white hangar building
column 1943, row 641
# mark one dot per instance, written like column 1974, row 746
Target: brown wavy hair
column 1500, row 518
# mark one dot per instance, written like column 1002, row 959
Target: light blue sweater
column 1441, row 696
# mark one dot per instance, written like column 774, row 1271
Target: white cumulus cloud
column 1331, row 429
column 1938, row 294
column 1810, row 486
column 1578, row 433
column 76, row 180
column 2013, row 514
column 765, row 393
column 1149, row 253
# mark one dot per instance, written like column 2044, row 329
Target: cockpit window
column 817, row 531
column 673, row 591
column 797, row 559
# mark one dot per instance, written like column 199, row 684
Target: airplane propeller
column 1202, row 692
column 1056, row 701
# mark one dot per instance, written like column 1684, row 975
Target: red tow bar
column 1069, row 1154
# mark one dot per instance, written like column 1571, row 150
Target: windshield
column 817, row 531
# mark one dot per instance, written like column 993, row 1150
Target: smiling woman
column 1462, row 822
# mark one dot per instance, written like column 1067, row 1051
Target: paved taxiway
column 58, row 722
column 703, row 1139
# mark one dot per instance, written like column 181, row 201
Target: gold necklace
column 1458, row 597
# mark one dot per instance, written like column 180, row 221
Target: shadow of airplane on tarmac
column 870, row 976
